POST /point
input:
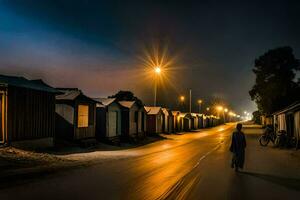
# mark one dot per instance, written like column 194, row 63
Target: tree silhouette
column 275, row 84
column 127, row 96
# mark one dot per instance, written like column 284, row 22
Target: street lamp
column 182, row 99
column 157, row 71
column 225, row 111
column 219, row 108
column 207, row 109
column 200, row 102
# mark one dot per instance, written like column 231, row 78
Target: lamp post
column 190, row 101
column 219, row 109
column 157, row 71
column 199, row 102
column 207, row 109
column 225, row 111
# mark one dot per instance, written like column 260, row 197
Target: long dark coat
column 238, row 145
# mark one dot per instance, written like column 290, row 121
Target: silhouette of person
column 237, row 147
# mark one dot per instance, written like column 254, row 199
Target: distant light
column 225, row 110
column 182, row 98
column 219, row 108
column 207, row 108
column 199, row 101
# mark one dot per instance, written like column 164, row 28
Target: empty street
column 195, row 165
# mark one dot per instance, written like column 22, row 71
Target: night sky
column 97, row 46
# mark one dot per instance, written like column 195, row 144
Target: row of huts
column 287, row 119
column 32, row 110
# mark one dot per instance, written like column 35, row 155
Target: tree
column 256, row 117
column 275, row 84
column 126, row 96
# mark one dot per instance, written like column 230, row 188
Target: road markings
column 185, row 184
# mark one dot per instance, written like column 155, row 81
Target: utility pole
column 190, row 101
column 155, row 92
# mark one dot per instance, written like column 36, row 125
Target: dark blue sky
column 95, row 45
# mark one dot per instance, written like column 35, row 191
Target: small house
column 167, row 126
column 75, row 115
column 186, row 122
column 194, row 120
column 154, row 120
column 288, row 119
column 27, row 112
column 108, row 120
column 176, row 121
column 200, row 121
column 133, row 120
column 205, row 121
column 266, row 120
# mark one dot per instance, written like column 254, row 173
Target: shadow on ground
column 73, row 148
column 290, row 183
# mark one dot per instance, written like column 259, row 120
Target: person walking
column 237, row 147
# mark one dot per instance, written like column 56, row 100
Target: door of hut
column 112, row 123
column 290, row 124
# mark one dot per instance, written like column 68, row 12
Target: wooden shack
column 205, row 121
column 27, row 111
column 186, row 122
column 194, row 121
column 176, row 121
column 288, row 119
column 75, row 115
column 154, row 120
column 108, row 120
column 133, row 120
column 266, row 120
column 200, row 120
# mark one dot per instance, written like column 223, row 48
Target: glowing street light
column 219, row 108
column 182, row 98
column 200, row 102
column 226, row 110
column 157, row 70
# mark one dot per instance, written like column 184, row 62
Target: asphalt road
column 191, row 166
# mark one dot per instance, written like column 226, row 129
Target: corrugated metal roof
column 68, row 94
column 152, row 110
column 195, row 114
column 294, row 106
column 105, row 101
column 126, row 104
column 25, row 83
column 185, row 115
column 165, row 111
